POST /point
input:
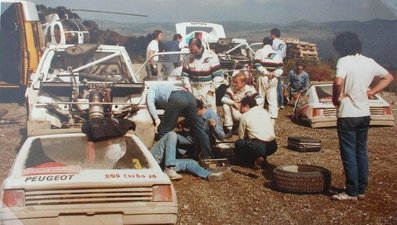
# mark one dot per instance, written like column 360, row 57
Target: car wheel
column 301, row 179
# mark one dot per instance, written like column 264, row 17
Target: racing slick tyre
column 302, row 179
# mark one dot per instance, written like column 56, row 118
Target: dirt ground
column 246, row 200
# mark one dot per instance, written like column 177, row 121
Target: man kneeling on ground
column 257, row 138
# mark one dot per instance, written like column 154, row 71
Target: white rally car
column 75, row 82
column 234, row 53
column 314, row 107
column 66, row 179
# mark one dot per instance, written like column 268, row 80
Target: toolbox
column 304, row 144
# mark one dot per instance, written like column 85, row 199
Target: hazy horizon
column 257, row 11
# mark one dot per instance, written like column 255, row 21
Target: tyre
column 301, row 179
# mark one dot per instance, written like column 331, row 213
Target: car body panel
column 58, row 98
column 234, row 53
column 107, row 182
column 314, row 107
column 210, row 32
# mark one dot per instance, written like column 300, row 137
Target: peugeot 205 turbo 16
column 67, row 179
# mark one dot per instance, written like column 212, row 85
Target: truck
column 21, row 45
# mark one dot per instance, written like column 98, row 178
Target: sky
column 262, row 11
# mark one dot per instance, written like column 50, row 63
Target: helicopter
column 66, row 27
column 64, row 31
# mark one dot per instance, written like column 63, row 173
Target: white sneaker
column 344, row 197
column 172, row 174
column 219, row 176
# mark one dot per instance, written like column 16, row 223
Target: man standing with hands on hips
column 354, row 75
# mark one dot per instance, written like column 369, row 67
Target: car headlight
column 162, row 193
column 317, row 112
column 387, row 110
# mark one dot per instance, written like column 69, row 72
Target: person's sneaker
column 219, row 176
column 172, row 174
column 344, row 197
column 228, row 133
column 282, row 107
column 361, row 196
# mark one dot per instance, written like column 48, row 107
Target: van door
column 11, row 57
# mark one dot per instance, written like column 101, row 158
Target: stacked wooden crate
column 299, row 50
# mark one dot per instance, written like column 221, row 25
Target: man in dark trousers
column 176, row 101
column 354, row 74
column 172, row 60
column 257, row 139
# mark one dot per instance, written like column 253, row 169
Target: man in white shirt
column 153, row 48
column 354, row 76
column 257, row 138
column 270, row 66
column 281, row 48
column 278, row 45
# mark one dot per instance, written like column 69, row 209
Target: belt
column 263, row 142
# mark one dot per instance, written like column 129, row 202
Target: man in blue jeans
column 165, row 151
column 176, row 101
column 354, row 75
column 212, row 125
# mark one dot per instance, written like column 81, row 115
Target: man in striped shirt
column 269, row 66
column 202, row 73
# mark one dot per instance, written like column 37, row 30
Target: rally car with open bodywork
column 67, row 179
column 75, row 82
column 314, row 107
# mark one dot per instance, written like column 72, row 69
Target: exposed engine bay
column 78, row 83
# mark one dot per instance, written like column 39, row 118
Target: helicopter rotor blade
column 110, row 12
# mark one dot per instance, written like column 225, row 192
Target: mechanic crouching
column 257, row 138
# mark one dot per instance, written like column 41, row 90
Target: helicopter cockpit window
column 74, row 32
column 48, row 36
column 57, row 34
column 70, row 25
column 71, row 38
